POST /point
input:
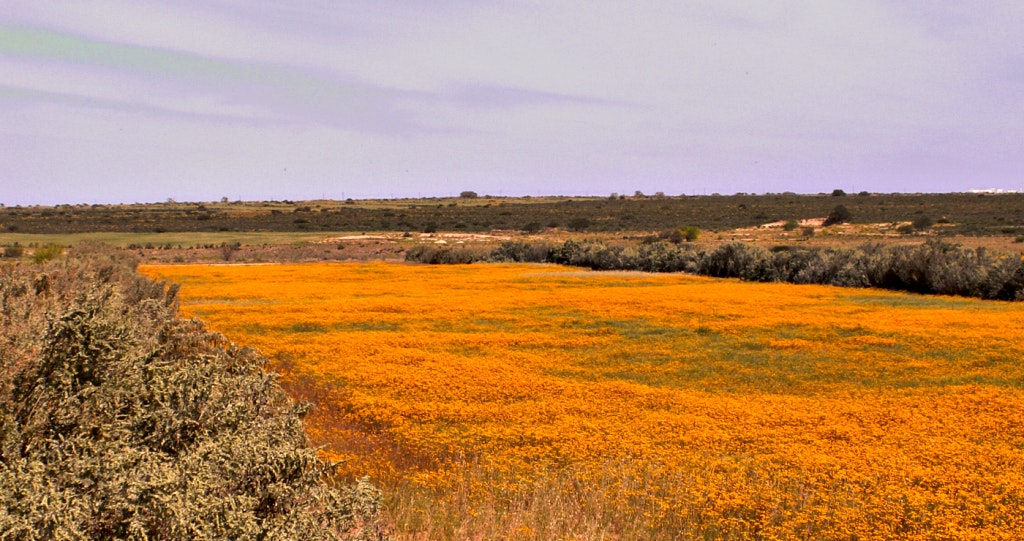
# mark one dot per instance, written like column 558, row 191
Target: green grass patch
column 361, row 326
column 306, row 327
column 910, row 300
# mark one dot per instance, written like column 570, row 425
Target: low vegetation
column 513, row 400
column 933, row 267
column 118, row 420
column 967, row 214
column 524, row 401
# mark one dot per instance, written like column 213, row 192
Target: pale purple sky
column 145, row 100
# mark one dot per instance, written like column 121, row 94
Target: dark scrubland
column 960, row 214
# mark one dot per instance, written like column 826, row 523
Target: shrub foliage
column 119, row 420
column 838, row 215
column 934, row 267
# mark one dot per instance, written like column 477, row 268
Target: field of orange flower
column 541, row 402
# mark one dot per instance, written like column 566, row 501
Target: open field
column 542, row 402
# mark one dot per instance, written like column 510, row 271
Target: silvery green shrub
column 119, row 420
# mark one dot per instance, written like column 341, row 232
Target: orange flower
column 771, row 408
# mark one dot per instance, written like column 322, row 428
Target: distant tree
column 838, row 193
column 532, row 227
column 579, row 224
column 675, row 236
column 840, row 214
column 468, row 195
column 686, row 233
column 921, row 223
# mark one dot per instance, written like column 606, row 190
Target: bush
column 921, row 223
column 468, row 195
column 936, row 267
column 831, row 267
column 532, row 227
column 686, row 233
column 790, row 225
column 839, row 215
column 578, row 224
column 933, row 267
column 47, row 252
column 566, row 253
column 521, row 252
column 662, row 257
column 228, row 250
column 732, row 260
column 838, row 193
column 675, row 236
column 14, row 251
column 444, row 255
column 118, row 420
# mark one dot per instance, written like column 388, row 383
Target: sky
column 122, row 101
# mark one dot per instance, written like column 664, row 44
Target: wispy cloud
column 20, row 96
column 494, row 96
column 284, row 94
